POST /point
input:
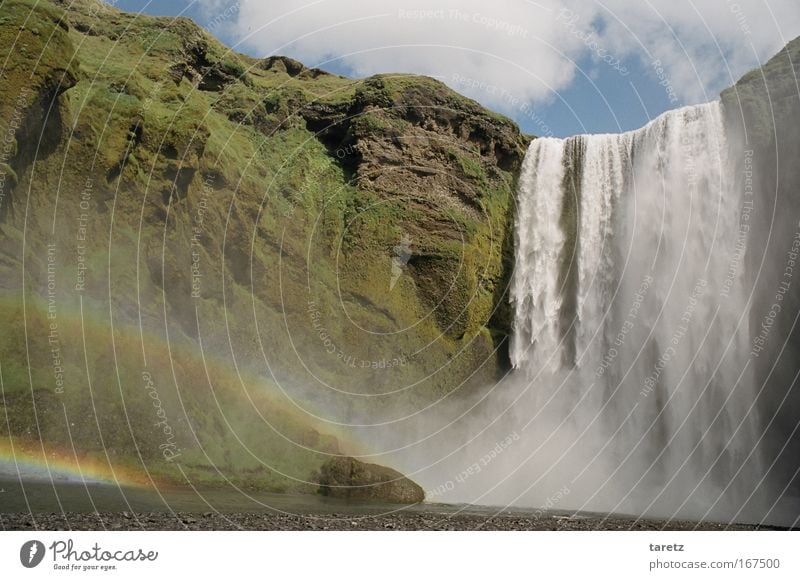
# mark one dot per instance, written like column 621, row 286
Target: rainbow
column 33, row 460
column 44, row 462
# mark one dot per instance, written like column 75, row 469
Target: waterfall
column 631, row 314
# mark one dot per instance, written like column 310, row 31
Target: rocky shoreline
column 399, row 521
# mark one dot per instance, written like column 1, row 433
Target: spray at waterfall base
column 632, row 387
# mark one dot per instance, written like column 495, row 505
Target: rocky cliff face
column 263, row 249
column 763, row 115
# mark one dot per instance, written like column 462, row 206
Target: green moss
column 374, row 124
column 167, row 124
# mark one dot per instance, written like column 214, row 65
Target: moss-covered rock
column 350, row 478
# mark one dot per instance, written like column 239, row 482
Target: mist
column 636, row 344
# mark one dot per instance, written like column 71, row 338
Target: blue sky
column 567, row 89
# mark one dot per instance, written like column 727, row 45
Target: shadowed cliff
column 762, row 116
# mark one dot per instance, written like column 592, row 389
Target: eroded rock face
column 349, row 478
column 452, row 166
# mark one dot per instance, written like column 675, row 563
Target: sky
column 557, row 67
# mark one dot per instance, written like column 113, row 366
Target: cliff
column 264, row 249
column 762, row 114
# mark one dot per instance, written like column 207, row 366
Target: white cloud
column 507, row 52
column 705, row 45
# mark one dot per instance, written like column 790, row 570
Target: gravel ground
column 333, row 521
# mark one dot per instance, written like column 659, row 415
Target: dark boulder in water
column 350, row 478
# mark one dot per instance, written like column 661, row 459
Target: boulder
column 350, row 478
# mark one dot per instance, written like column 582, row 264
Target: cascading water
column 633, row 389
column 631, row 328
